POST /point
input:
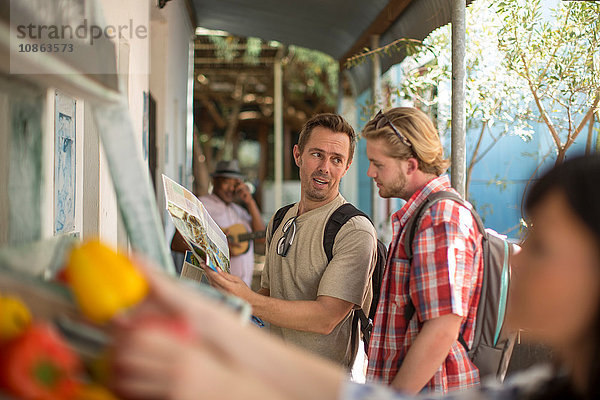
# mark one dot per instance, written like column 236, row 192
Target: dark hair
column 333, row 122
column 578, row 179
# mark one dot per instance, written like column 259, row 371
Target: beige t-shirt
column 304, row 274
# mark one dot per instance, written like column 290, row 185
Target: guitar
column 239, row 236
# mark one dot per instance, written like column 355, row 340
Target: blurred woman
column 555, row 296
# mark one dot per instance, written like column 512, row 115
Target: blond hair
column 421, row 139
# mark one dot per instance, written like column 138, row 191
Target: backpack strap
column 415, row 220
column 278, row 218
column 411, row 230
column 339, row 217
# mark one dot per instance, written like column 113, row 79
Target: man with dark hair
column 308, row 298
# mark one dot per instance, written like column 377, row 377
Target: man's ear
column 347, row 167
column 297, row 154
column 412, row 165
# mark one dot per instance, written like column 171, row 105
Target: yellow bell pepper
column 14, row 317
column 104, row 282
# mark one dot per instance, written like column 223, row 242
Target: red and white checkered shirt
column 445, row 278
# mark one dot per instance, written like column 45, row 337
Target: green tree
column 556, row 52
column 497, row 102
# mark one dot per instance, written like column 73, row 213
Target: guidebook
column 192, row 270
column 194, row 223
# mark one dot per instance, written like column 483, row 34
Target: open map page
column 194, row 223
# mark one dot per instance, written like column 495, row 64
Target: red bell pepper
column 38, row 365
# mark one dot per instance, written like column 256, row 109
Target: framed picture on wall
column 64, row 163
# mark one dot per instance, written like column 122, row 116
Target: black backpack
column 339, row 217
column 493, row 343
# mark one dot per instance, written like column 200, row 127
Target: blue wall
column 500, row 178
column 364, row 182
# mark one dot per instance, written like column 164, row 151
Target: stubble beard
column 315, row 194
column 398, row 189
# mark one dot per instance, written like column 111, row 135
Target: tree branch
column 588, row 144
column 358, row 58
column 487, row 150
column 233, row 118
column 474, row 159
column 570, row 119
column 543, row 74
column 584, row 121
column 541, row 108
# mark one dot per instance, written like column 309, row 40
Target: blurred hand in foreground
column 181, row 345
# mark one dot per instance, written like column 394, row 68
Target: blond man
column 426, row 314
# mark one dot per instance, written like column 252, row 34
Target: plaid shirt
column 445, row 278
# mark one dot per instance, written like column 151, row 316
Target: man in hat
column 227, row 187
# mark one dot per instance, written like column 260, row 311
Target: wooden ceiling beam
column 216, row 61
column 239, row 46
column 208, row 72
column 212, row 110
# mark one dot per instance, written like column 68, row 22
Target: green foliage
column 499, row 182
column 253, row 48
column 495, row 97
column 226, row 47
column 409, row 46
column 525, row 62
column 307, row 71
column 497, row 101
column 312, row 72
column 556, row 52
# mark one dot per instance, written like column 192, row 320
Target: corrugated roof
column 332, row 26
column 329, row 26
column 419, row 19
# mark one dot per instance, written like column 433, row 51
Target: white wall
column 133, row 56
column 349, row 185
column 96, row 211
column 171, row 33
column 160, row 64
column 91, row 177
